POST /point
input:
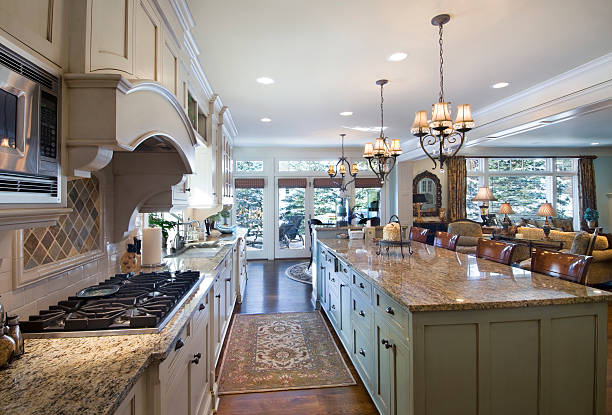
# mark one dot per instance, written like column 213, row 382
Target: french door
column 297, row 201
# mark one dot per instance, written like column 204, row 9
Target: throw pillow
column 580, row 243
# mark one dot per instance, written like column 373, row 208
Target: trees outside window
column 249, row 215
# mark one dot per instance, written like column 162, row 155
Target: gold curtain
column 457, row 187
column 586, row 187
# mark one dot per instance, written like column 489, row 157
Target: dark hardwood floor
column 270, row 291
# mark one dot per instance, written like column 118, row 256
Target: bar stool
column 495, row 251
column 419, row 234
column 446, row 240
column 568, row 267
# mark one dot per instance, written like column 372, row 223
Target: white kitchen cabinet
column 240, row 269
column 135, row 403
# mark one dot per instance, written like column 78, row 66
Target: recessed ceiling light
column 265, row 119
column 596, row 143
column 265, row 80
column 500, row 85
column 397, row 57
column 346, row 113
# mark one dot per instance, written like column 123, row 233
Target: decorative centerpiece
column 392, row 236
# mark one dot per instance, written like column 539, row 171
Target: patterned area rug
column 300, row 273
column 272, row 352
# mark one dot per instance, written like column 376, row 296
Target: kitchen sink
column 196, row 253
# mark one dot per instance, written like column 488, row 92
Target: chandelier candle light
column 382, row 155
column 440, row 132
column 341, row 167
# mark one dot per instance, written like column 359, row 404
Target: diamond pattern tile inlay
column 75, row 234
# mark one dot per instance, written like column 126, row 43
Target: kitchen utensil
column 7, row 347
column 15, row 333
column 98, row 291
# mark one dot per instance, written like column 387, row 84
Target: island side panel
column 532, row 360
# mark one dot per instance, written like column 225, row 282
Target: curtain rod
column 529, row 157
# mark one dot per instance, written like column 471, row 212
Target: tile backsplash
column 75, row 234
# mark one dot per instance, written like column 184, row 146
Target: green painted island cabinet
column 443, row 333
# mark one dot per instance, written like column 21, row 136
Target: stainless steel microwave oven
column 29, row 132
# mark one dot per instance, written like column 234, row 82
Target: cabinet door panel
column 383, row 370
column 111, row 35
column 400, row 376
column 147, row 39
column 176, row 399
column 345, row 315
column 199, row 386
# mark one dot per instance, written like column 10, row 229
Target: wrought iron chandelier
column 342, row 166
column 382, row 155
column 444, row 136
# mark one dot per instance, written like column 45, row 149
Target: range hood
column 141, row 127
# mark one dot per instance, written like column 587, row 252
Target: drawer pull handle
column 361, row 285
column 333, row 307
column 201, row 307
column 228, row 279
column 218, row 296
column 362, row 352
column 179, row 343
column 332, row 279
column 389, row 310
column 345, row 270
column 196, row 358
column 342, row 285
column 386, row 343
column 361, row 313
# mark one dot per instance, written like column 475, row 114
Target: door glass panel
column 367, row 202
column 249, row 215
column 291, row 228
column 325, row 203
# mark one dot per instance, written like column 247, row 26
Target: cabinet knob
column 218, row 296
column 228, row 279
column 333, row 307
column 386, row 343
column 345, row 271
column 361, row 285
column 201, row 307
column 361, row 313
column 362, row 352
column 390, row 310
column 179, row 343
column 332, row 279
column 342, row 285
column 196, row 358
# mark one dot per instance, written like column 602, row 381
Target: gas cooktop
column 139, row 304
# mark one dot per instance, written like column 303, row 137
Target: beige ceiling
column 326, row 56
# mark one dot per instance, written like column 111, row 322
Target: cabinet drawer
column 201, row 314
column 362, row 285
column 334, row 308
column 361, row 311
column 343, row 272
column 333, row 282
column 175, row 360
column 390, row 311
column 363, row 355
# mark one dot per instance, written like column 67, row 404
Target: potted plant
column 156, row 221
column 591, row 216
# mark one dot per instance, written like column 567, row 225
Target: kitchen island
column 138, row 373
column 439, row 332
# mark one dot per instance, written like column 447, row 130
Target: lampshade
column 440, row 116
column 547, row 210
column 396, row 148
column 379, row 146
column 354, row 169
column 505, row 209
column 331, row 170
column 368, row 150
column 464, row 121
column 484, row 195
column 418, row 198
column 342, row 168
column 420, row 125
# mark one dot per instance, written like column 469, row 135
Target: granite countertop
column 436, row 279
column 92, row 375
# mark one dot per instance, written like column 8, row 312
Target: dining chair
column 446, row 240
column 495, row 251
column 569, row 267
column 419, row 234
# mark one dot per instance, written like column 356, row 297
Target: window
column 524, row 183
column 249, row 215
column 315, row 165
column 250, row 165
column 367, row 202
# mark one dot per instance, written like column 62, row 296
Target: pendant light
column 342, row 166
column 382, row 155
column 440, row 134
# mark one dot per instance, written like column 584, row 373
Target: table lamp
column 485, row 196
column 546, row 210
column 418, row 198
column 506, row 209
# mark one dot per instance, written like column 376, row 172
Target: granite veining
column 436, row 279
column 92, row 375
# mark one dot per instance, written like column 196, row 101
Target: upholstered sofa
column 601, row 268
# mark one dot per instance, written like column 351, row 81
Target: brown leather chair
column 446, row 240
column 567, row 267
column 495, row 251
column 419, row 234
